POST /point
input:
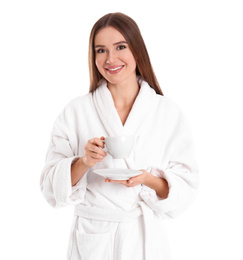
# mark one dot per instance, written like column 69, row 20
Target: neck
column 124, row 94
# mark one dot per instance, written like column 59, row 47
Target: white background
column 197, row 54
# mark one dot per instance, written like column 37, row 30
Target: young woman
column 120, row 219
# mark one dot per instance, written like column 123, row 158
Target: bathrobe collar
column 109, row 116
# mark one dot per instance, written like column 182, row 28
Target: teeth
column 115, row 68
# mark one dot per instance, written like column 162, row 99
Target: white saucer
column 117, row 174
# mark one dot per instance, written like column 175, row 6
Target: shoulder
column 163, row 104
column 78, row 104
column 79, row 101
column 75, row 107
column 168, row 105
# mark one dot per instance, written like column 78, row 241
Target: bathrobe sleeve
column 181, row 173
column 62, row 152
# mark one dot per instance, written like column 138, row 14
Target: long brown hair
column 129, row 29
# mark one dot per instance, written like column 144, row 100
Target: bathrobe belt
column 124, row 216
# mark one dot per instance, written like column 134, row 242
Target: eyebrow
column 117, row 43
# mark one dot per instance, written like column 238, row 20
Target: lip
column 114, row 69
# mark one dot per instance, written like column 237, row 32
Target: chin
column 114, row 81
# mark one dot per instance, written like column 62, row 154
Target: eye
column 100, row 51
column 121, row 47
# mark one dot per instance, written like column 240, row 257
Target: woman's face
column 113, row 58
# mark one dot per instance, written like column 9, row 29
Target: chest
column 124, row 113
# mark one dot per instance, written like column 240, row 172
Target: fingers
column 117, row 181
column 94, row 146
column 97, row 141
column 93, row 152
column 127, row 183
column 133, row 181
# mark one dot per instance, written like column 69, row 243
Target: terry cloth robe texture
column 112, row 221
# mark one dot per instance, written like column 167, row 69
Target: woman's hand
column 93, row 152
column 158, row 184
column 134, row 181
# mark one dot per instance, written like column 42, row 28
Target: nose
column 111, row 57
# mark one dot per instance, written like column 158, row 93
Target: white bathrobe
column 112, row 221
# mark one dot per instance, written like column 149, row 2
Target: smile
column 114, row 69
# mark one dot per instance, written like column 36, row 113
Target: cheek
column 131, row 60
column 133, row 63
column 98, row 63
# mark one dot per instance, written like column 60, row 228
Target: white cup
column 119, row 147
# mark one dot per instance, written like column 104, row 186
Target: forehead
column 108, row 35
